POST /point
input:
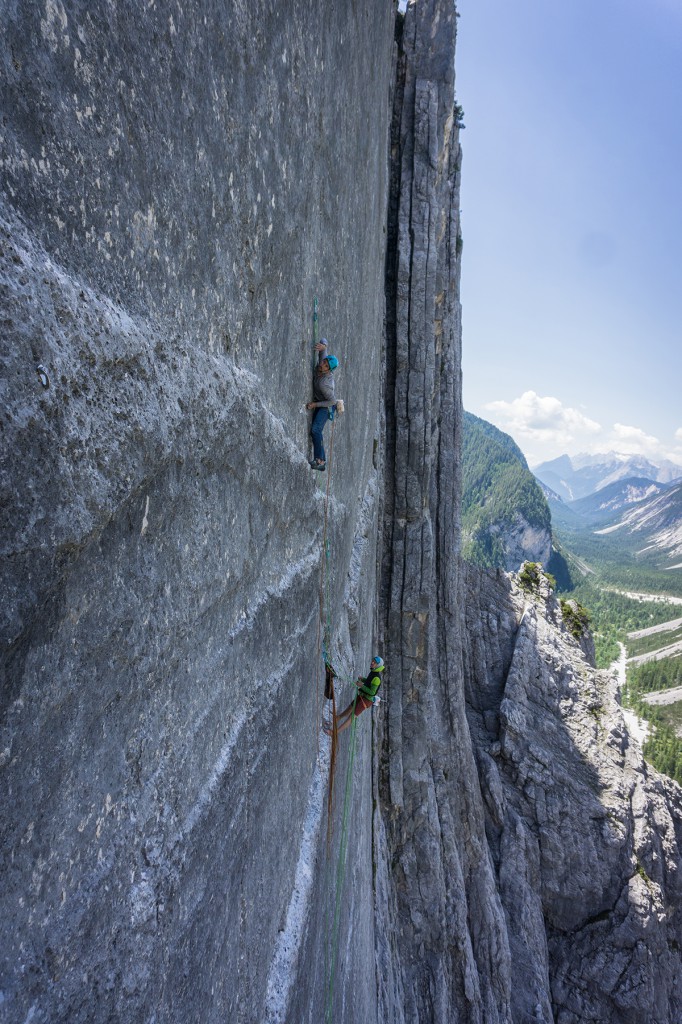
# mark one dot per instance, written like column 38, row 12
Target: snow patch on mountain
column 577, row 476
column 659, row 518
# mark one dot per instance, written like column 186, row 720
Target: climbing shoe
column 318, row 465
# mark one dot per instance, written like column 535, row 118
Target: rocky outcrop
column 522, row 541
column 585, row 837
column 449, row 947
column 533, row 856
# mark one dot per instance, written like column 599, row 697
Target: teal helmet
column 378, row 660
column 333, row 362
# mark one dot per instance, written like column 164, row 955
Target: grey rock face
column 450, row 950
column 177, row 185
column 586, row 838
column 521, row 542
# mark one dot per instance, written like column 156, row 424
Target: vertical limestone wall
column 178, row 182
column 449, row 934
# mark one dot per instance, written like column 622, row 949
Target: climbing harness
column 370, row 688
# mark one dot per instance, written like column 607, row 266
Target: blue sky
column 572, row 222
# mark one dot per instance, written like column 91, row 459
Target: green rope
column 320, row 638
column 327, row 549
column 327, row 601
column 331, row 955
column 341, row 868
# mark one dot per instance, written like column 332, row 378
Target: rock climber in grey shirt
column 324, row 402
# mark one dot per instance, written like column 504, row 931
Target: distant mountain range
column 635, row 524
column 654, row 524
column 623, row 526
column 574, row 477
column 617, row 497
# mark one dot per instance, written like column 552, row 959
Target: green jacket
column 371, row 683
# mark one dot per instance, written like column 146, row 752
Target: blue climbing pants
column 319, row 419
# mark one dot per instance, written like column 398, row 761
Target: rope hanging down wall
column 323, row 660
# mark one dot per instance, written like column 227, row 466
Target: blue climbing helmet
column 378, row 660
column 333, row 362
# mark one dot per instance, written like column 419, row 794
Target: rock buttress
column 585, row 837
column 450, row 935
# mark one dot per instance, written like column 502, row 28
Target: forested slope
column 505, row 516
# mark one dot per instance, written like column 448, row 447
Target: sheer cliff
column 448, row 937
column 585, row 837
column 179, row 182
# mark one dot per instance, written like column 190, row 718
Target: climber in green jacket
column 367, row 696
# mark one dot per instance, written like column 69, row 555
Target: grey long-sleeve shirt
column 323, row 385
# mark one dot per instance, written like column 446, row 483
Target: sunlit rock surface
column 178, row 183
column 585, row 837
column 177, row 187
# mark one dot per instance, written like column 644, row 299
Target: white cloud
column 541, row 423
column 544, row 427
column 633, row 441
